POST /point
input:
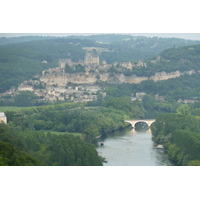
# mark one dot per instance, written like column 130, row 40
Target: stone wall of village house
column 3, row 118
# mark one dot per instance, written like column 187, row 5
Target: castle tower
column 91, row 60
column 62, row 62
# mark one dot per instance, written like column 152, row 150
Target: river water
column 131, row 148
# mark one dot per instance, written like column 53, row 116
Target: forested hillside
column 186, row 86
column 22, row 59
column 175, row 59
column 126, row 48
column 19, row 62
column 12, row 40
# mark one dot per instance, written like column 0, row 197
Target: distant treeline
column 126, row 48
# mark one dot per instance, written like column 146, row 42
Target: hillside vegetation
column 32, row 134
column 19, row 62
column 21, row 59
column 125, row 48
column 179, row 133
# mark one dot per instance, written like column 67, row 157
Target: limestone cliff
column 91, row 78
column 160, row 76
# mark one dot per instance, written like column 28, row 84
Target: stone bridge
column 133, row 122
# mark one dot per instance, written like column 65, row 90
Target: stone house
column 3, row 118
column 25, row 88
column 44, row 61
column 50, row 97
column 127, row 65
column 140, row 94
column 190, row 101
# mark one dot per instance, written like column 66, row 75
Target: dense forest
column 45, row 135
column 126, row 48
column 45, row 149
column 179, row 133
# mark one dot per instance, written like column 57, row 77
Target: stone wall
column 3, row 118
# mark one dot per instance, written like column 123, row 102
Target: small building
column 127, row 65
column 140, row 94
column 3, row 118
column 44, row 61
column 190, row 101
column 25, row 88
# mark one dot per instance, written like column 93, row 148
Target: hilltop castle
column 90, row 60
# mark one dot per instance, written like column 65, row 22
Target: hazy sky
column 192, row 36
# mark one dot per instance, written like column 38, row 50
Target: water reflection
column 132, row 148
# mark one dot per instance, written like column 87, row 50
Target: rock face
column 164, row 76
column 61, row 79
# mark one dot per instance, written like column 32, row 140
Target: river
column 131, row 148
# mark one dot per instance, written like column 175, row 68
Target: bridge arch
column 149, row 122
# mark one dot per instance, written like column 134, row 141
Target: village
column 56, row 84
column 66, row 83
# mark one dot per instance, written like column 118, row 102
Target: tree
column 194, row 163
column 183, row 109
column 91, row 131
column 25, row 98
column 148, row 101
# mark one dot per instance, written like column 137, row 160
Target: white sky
column 77, row 17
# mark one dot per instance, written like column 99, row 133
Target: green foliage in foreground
column 180, row 135
column 40, row 148
column 11, row 153
column 37, row 132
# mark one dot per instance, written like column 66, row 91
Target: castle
column 63, row 62
column 90, row 60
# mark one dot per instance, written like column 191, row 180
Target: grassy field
column 12, row 108
column 15, row 108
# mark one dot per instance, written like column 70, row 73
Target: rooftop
column 2, row 114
